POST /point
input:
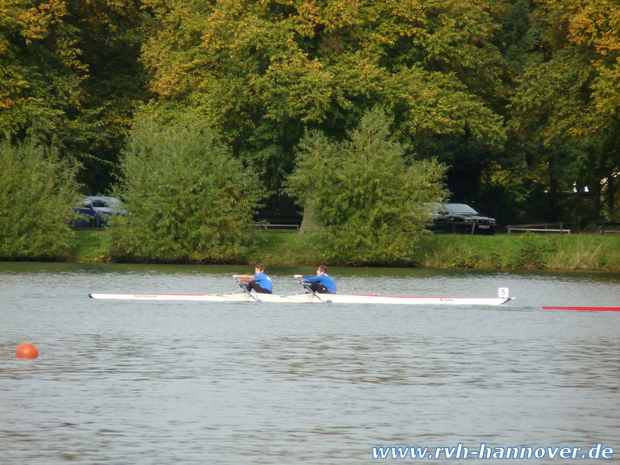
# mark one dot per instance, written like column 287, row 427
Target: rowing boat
column 586, row 309
column 311, row 298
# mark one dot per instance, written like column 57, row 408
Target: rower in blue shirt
column 259, row 281
column 322, row 283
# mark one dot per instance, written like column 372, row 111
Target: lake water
column 124, row 382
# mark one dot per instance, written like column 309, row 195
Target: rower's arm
column 244, row 277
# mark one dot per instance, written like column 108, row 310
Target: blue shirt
column 263, row 281
column 324, row 279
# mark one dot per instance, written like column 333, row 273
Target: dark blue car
column 89, row 218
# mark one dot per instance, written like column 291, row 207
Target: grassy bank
column 529, row 251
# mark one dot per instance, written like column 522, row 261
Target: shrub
column 536, row 251
column 364, row 198
column 37, row 195
column 189, row 199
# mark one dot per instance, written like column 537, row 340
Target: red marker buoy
column 27, row 351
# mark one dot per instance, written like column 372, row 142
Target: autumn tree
column 41, row 71
column 110, row 37
column 70, row 77
column 565, row 109
column 261, row 72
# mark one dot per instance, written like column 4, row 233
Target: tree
column 40, row 68
column 597, row 25
column 189, row 199
column 110, row 34
column 37, row 194
column 564, row 112
column 70, row 77
column 367, row 200
column 261, row 72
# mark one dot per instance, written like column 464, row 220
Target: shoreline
column 579, row 252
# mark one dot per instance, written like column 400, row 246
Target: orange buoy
column 27, row 351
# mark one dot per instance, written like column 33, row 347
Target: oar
column 245, row 289
column 307, row 287
column 242, row 290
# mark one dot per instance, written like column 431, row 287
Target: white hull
column 311, row 298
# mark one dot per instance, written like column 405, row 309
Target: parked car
column 88, row 218
column 96, row 210
column 459, row 218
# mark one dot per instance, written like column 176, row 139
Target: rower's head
column 259, row 268
column 321, row 270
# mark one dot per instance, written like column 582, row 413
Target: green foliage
column 529, row 251
column 90, row 246
column 40, row 69
column 70, row 76
column 190, row 200
column 535, row 251
column 285, row 249
column 564, row 113
column 37, row 194
column 460, row 251
column 262, row 71
column 109, row 35
column 439, row 251
column 366, row 200
column 520, row 98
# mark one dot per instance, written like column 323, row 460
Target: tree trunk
column 308, row 223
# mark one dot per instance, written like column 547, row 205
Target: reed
column 587, row 252
column 528, row 251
